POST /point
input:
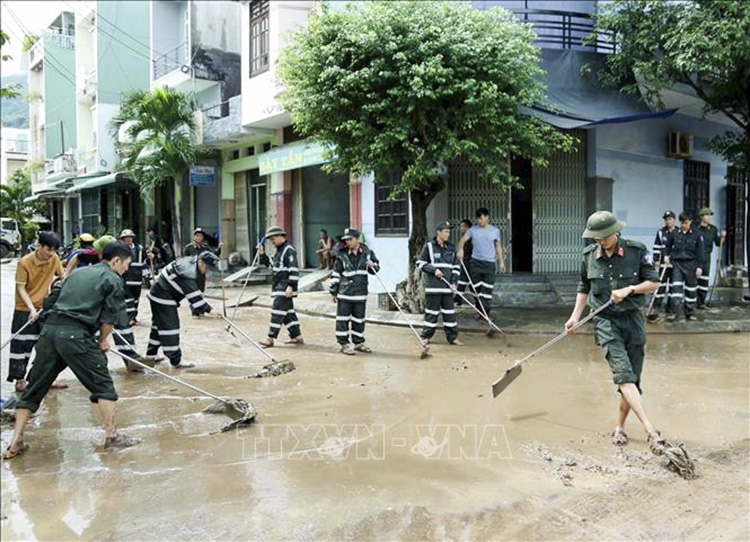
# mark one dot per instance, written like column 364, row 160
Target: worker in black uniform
column 285, row 268
column 177, row 281
column 194, row 249
column 134, row 275
column 349, row 286
column 438, row 261
column 711, row 237
column 90, row 299
column 661, row 297
column 463, row 279
column 685, row 251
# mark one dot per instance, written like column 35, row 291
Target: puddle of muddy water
column 387, row 446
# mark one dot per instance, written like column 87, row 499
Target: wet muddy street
column 387, row 446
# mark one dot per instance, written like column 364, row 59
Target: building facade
column 78, row 72
column 14, row 146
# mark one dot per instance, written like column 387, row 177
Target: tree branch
column 705, row 97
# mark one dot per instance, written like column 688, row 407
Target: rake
column 480, row 313
column 242, row 412
column 425, row 347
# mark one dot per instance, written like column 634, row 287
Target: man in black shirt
column 685, row 251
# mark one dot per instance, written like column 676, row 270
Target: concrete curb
column 708, row 326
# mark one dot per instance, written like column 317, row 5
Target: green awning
column 96, row 182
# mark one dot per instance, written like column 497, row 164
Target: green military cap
column 602, row 224
column 705, row 211
column 127, row 233
column 102, row 242
column 275, row 230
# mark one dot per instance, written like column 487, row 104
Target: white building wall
column 393, row 252
column 259, row 105
column 646, row 182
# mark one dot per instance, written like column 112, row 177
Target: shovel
column 425, row 347
column 242, row 412
column 17, row 333
column 514, row 371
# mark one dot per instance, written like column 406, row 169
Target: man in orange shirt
column 34, row 275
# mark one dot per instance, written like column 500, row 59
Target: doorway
column 257, row 208
column 522, row 225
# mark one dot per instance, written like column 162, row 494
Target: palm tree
column 153, row 131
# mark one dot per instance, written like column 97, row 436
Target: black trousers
column 703, row 282
column 350, row 314
column 165, row 332
column 126, row 345
column 463, row 282
column 436, row 304
column 282, row 313
column 664, row 291
column 483, row 277
column 132, row 299
column 22, row 346
column 685, row 287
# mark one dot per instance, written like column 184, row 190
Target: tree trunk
column 174, row 209
column 410, row 293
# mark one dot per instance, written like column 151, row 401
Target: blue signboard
column 203, row 176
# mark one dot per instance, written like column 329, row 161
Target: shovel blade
column 425, row 353
column 504, row 381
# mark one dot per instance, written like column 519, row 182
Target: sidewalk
column 512, row 320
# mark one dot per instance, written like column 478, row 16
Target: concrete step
column 525, row 287
column 525, row 299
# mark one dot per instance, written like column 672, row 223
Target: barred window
column 392, row 215
column 259, row 36
column 696, row 181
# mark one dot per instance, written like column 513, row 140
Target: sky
column 35, row 15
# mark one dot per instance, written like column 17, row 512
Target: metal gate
column 467, row 191
column 559, row 203
column 736, row 216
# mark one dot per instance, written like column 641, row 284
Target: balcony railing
column 61, row 38
column 565, row 30
column 171, row 61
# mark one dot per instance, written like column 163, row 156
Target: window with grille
column 259, row 36
column 391, row 215
column 696, row 181
column 90, row 211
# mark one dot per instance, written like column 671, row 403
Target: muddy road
column 387, row 446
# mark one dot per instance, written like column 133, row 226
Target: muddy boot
column 121, row 441
column 347, row 349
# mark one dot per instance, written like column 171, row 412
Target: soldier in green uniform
column 90, row 299
column 711, row 237
column 623, row 271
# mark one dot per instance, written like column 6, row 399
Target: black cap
column 444, row 225
column 349, row 233
column 199, row 230
column 209, row 258
column 669, row 214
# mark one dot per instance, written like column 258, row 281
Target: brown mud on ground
column 387, row 446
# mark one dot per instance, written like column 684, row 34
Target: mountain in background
column 15, row 111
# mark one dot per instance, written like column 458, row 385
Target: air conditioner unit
column 679, row 145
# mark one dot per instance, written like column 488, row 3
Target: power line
column 139, row 53
column 113, row 25
column 50, row 60
column 54, row 63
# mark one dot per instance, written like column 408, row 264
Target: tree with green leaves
column 412, row 86
column 12, row 90
column 699, row 45
column 154, row 131
column 12, row 204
